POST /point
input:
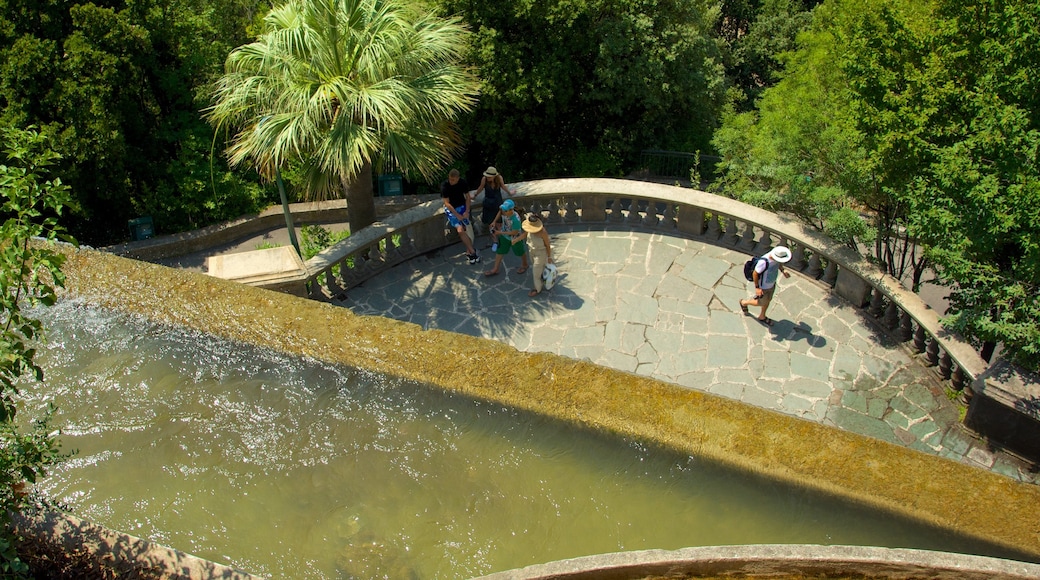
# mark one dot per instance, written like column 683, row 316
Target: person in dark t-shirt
column 455, row 194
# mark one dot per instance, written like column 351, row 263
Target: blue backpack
column 749, row 268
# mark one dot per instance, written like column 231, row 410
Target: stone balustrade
column 574, row 204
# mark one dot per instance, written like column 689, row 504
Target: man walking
column 764, row 276
column 455, row 194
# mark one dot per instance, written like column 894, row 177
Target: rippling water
column 292, row 468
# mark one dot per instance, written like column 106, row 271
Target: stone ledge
column 776, row 561
column 123, row 552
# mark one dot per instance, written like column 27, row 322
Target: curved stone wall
column 994, row 509
column 776, row 561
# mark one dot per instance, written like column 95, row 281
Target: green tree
column 117, row 84
column 808, row 150
column 30, row 269
column 341, row 86
column 758, row 34
column 976, row 204
column 580, row 87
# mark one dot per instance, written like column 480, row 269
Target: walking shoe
column 474, row 259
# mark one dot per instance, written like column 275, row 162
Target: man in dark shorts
column 455, row 194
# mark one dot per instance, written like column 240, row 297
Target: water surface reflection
column 293, row 468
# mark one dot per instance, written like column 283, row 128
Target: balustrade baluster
column 554, row 213
column 945, row 365
column 651, row 219
column 798, row 260
column 931, row 352
column 877, row 303
column 633, row 219
column 747, row 239
column 714, row 228
column 920, row 339
column 957, row 378
column 906, row 327
column 731, row 237
column 570, row 214
column 830, row 274
column 815, row 266
column 891, row 319
column 763, row 245
column 615, row 215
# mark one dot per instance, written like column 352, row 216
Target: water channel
column 293, row 468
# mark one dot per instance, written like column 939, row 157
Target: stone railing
column 574, row 204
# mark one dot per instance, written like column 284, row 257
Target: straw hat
column 532, row 225
column 491, row 172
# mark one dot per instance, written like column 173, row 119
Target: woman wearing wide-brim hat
column 540, row 248
column 493, row 184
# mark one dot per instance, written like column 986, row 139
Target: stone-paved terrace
column 668, row 308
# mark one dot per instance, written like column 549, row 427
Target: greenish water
column 291, row 468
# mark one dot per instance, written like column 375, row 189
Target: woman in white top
column 541, row 250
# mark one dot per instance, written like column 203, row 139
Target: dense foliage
column 580, row 87
column 117, row 86
column 29, row 272
column 923, row 116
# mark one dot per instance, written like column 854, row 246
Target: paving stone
column 904, row 406
column 647, row 355
column 638, row 310
column 700, row 380
column 810, row 367
column 923, row 429
column 876, row 408
column 921, row 396
column 588, row 336
column 727, row 351
column 612, row 334
column 862, row 424
column 705, row 271
column 795, row 404
column 618, row 360
column 980, row 457
column 1007, row 468
column 855, row 400
column 633, row 336
column 776, row 364
column 897, row 419
column 726, row 323
column 729, row 390
column 675, row 365
column 693, row 342
column 760, row 398
column 809, row 388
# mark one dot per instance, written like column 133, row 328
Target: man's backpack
column 749, row 268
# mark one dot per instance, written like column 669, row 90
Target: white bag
column 549, row 276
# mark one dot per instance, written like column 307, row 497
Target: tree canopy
column 924, row 116
column 579, row 88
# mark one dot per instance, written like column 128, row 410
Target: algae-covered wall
column 938, row 491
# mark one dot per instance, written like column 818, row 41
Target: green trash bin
column 391, row 184
column 141, row 228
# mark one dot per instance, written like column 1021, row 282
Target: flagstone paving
column 668, row 308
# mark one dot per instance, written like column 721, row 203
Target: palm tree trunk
column 361, row 206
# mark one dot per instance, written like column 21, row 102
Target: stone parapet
column 777, row 561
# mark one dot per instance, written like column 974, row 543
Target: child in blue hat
column 505, row 226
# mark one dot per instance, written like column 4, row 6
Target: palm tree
column 337, row 86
